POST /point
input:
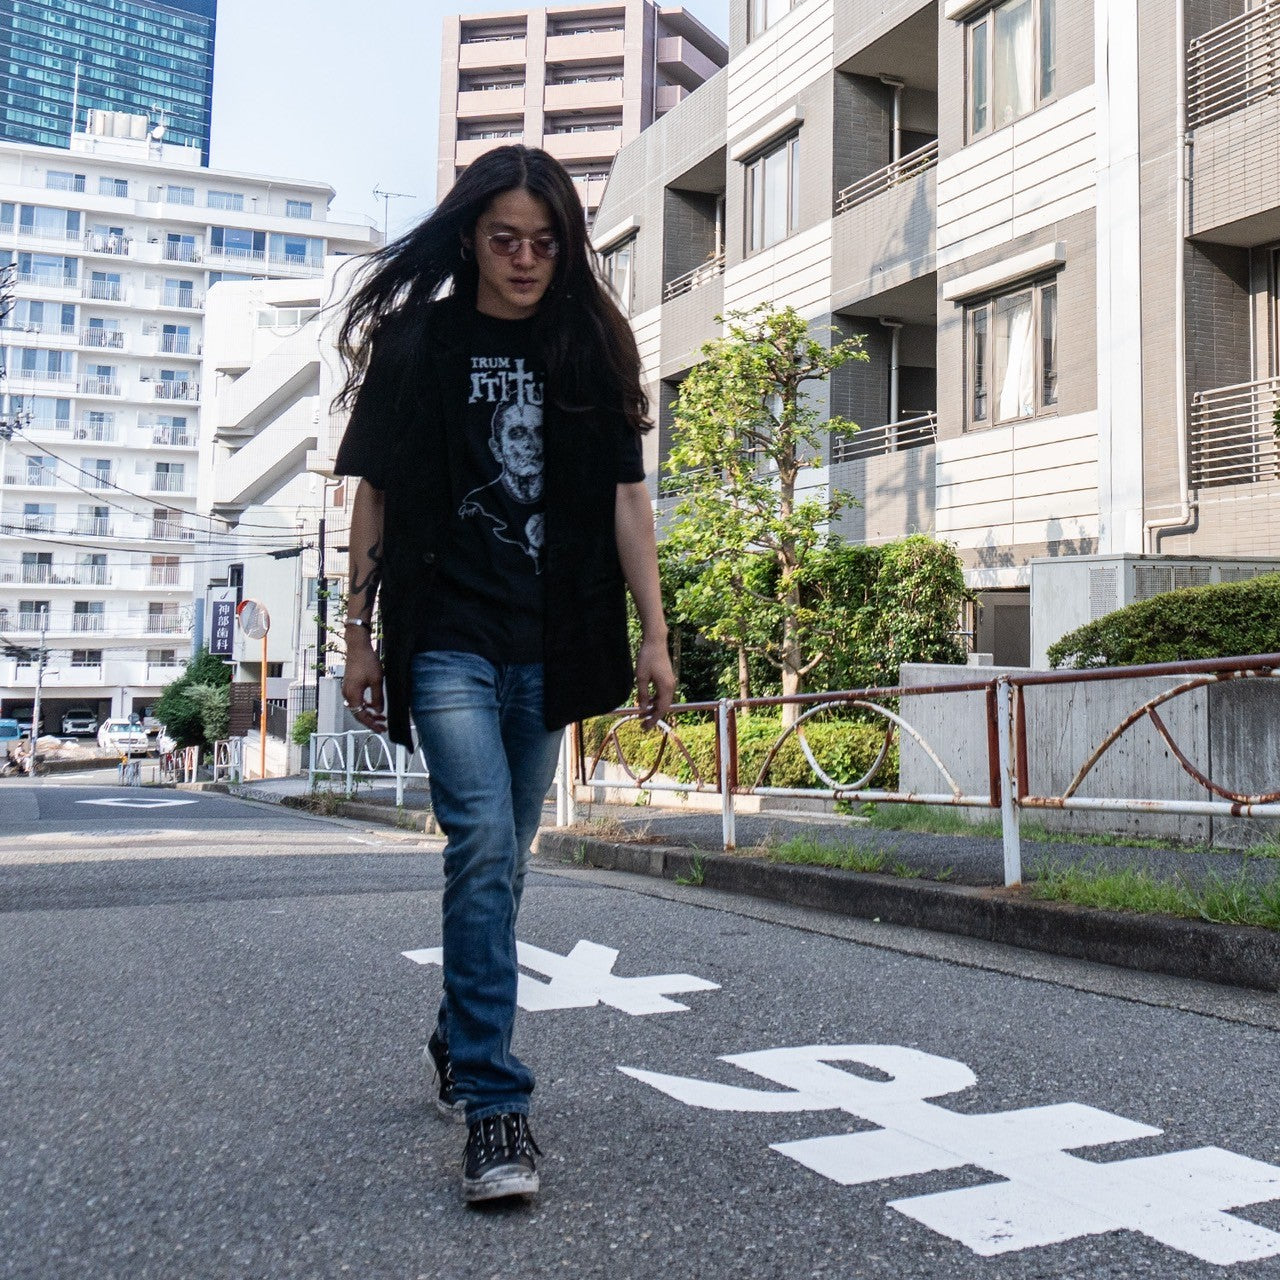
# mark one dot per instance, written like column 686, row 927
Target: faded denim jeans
column 491, row 761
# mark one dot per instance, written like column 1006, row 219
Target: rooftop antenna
column 386, row 197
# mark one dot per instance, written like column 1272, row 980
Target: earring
column 466, row 252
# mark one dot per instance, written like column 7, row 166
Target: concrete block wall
column 1231, row 732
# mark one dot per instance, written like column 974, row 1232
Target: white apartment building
column 112, row 247
column 1057, row 226
column 579, row 81
column 266, row 449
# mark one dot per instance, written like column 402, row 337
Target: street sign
column 222, row 628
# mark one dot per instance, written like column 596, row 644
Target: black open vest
column 412, row 396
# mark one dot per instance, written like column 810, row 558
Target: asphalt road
column 211, row 1068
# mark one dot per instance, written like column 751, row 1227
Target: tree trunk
column 744, row 674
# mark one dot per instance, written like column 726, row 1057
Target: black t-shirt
column 487, row 594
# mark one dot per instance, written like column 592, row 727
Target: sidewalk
column 947, row 883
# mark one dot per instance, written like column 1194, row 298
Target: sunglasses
column 506, row 245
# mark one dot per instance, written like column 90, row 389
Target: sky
column 345, row 93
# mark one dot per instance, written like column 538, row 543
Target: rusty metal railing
column 1007, row 747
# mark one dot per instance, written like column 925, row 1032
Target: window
column 773, row 195
column 86, row 657
column 297, row 208
column 60, row 180
column 232, row 200
column 1012, row 355
column 1011, row 63
column 616, row 267
column 764, row 13
column 174, row 194
column 113, row 187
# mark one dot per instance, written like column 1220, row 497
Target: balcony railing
column 171, row 531
column 57, row 575
column 165, row 624
column 41, row 375
column 893, row 437
column 101, row 432
column 164, row 576
column 181, row 253
column 176, row 344
column 700, row 275
column 168, row 482
column 177, row 390
column 55, row 234
column 102, row 242
column 172, row 436
column 93, row 527
column 1234, row 65
column 103, row 290
column 181, row 298
column 909, row 166
column 18, row 329
column 1233, row 435
column 48, row 279
column 110, row 338
column 33, row 477
column 99, row 387
column 63, row 182
column 88, row 622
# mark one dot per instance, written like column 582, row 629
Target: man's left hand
column 655, row 681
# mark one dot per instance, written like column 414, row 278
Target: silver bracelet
column 357, row 622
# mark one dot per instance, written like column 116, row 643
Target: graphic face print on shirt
column 510, row 505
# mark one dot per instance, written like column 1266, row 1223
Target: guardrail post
column 351, row 761
column 400, row 766
column 311, row 763
column 727, row 743
column 1010, row 814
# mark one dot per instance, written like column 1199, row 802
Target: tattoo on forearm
column 368, row 584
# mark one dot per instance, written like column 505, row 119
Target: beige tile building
column 1057, row 225
column 580, row 81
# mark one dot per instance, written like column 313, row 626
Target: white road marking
column 137, row 804
column 1046, row 1196
column 584, row 979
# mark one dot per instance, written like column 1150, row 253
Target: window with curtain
column 1011, row 61
column 616, row 266
column 773, row 195
column 1012, row 356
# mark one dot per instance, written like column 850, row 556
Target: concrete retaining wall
column 1231, row 732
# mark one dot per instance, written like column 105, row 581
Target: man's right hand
column 362, row 687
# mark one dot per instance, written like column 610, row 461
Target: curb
column 1233, row 955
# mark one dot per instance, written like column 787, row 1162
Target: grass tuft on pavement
column 1234, row 900
column 808, row 852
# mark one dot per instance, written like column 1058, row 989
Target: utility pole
column 322, row 609
column 41, row 659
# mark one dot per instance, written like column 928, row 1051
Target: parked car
column 120, row 735
column 80, row 723
column 23, row 716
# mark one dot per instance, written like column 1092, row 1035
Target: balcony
column 1233, row 435
column 181, row 299
column 99, row 432
column 23, row 333
column 181, row 253
column 115, row 246
column 170, row 531
column 467, row 150
column 700, row 275
column 103, row 291
column 186, row 391
column 591, row 95
column 168, row 482
column 684, row 63
column 482, row 104
column 893, row 437
column 93, row 527
column 33, row 478
column 584, row 144
column 83, row 622
column 103, row 339
column 52, row 235
column 1234, row 65
column 172, row 437
column 47, row 280
column 164, row 576
column 165, row 624
column 56, row 377
column 55, row 575
column 586, row 46
column 495, row 53
column 178, row 344
column 899, row 171
column 99, row 387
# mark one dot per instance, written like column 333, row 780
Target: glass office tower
column 145, row 57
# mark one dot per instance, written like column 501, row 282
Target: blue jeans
column 491, row 761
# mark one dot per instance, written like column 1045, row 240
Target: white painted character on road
column 585, row 978
column 1046, row 1196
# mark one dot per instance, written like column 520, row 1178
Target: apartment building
column 1058, row 227
column 580, row 81
column 110, row 250
column 61, row 59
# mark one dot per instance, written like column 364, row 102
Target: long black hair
column 587, row 345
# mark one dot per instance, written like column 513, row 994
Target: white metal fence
column 361, row 756
column 898, row 171
column 1233, row 434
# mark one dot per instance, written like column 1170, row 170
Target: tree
column 745, row 430
column 194, row 708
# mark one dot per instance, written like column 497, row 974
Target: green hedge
column 844, row 749
column 1227, row 620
